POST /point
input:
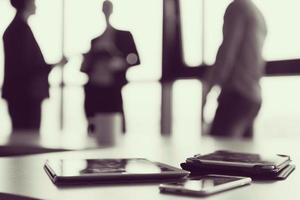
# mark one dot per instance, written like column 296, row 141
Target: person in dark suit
column 26, row 72
column 111, row 54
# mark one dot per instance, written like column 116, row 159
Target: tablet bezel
column 56, row 178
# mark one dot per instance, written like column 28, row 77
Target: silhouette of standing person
column 111, row 54
column 238, row 68
column 26, row 72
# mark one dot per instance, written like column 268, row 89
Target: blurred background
column 79, row 21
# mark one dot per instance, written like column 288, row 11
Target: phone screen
column 204, row 182
column 204, row 185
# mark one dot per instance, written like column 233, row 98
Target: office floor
column 279, row 116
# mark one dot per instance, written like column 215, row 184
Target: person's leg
column 118, row 106
column 16, row 114
column 249, row 132
column 34, row 115
column 90, row 101
column 254, row 108
column 123, row 122
column 222, row 120
column 235, row 116
column 90, row 106
column 25, row 114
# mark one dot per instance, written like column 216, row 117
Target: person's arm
column 36, row 56
column 132, row 57
column 128, row 55
column 85, row 65
column 227, row 54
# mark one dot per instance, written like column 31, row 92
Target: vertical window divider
column 62, row 84
column 203, row 32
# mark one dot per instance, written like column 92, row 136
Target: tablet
column 74, row 171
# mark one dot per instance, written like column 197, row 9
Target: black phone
column 204, row 185
column 238, row 163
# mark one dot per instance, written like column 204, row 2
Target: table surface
column 24, row 175
column 32, row 142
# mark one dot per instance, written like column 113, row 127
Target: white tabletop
column 25, row 175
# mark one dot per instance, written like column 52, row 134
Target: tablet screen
column 91, row 167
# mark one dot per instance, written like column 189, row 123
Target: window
column 83, row 20
column 191, row 23
column 282, row 17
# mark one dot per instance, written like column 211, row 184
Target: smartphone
column 237, row 164
column 204, row 185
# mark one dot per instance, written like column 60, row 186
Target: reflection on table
column 26, row 176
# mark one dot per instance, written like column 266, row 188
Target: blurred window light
column 282, row 17
column 191, row 30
